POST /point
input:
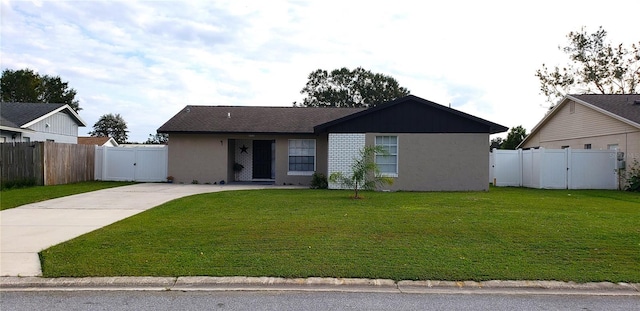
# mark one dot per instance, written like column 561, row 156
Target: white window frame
column 391, row 154
column 296, row 153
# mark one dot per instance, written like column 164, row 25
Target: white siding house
column 24, row 122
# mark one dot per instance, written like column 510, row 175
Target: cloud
column 146, row 60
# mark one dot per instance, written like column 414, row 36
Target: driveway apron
column 31, row 228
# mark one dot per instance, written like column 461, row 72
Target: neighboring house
column 591, row 121
column 98, row 141
column 24, row 122
column 432, row 147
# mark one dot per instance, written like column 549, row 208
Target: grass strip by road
column 506, row 233
column 16, row 197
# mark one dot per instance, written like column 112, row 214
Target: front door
column 263, row 159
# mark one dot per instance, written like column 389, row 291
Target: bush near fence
column 45, row 163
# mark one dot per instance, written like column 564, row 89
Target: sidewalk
column 31, row 228
column 316, row 285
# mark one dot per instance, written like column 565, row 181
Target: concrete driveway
column 31, row 228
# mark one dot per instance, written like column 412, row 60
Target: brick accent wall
column 343, row 148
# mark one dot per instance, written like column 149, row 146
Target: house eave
column 15, row 129
column 233, row 133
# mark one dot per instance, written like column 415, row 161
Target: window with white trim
column 388, row 163
column 302, row 156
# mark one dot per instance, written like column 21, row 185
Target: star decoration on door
column 243, row 149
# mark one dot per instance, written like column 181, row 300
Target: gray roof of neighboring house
column 237, row 119
column 622, row 105
column 17, row 115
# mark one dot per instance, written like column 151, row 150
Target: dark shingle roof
column 236, row 119
column 18, row 114
column 622, row 105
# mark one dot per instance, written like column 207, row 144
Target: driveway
column 31, row 228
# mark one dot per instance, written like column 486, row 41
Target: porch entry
column 264, row 159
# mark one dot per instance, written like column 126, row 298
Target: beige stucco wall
column 426, row 162
column 440, row 162
column 282, row 159
column 198, row 157
column 586, row 126
column 209, row 158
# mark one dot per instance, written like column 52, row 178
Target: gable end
column 410, row 114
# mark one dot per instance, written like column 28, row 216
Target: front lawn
column 15, row 197
column 506, row 233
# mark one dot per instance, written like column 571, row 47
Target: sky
column 147, row 60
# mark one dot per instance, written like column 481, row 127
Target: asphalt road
column 304, row 301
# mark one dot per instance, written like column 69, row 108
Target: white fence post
column 99, row 163
column 569, row 173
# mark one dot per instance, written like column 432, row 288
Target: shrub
column 319, row 181
column 633, row 177
column 15, row 184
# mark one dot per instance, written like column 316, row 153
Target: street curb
column 530, row 287
column 239, row 283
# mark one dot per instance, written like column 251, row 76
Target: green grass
column 506, row 233
column 15, row 197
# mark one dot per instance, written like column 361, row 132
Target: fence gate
column 147, row 164
column 555, row 168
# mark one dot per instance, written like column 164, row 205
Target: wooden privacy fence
column 46, row 163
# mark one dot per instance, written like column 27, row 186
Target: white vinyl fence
column 554, row 168
column 146, row 164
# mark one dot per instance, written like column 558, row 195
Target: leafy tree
column 515, row 136
column 157, row 139
column 113, row 126
column 496, row 143
column 365, row 174
column 596, row 67
column 350, row 88
column 26, row 86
